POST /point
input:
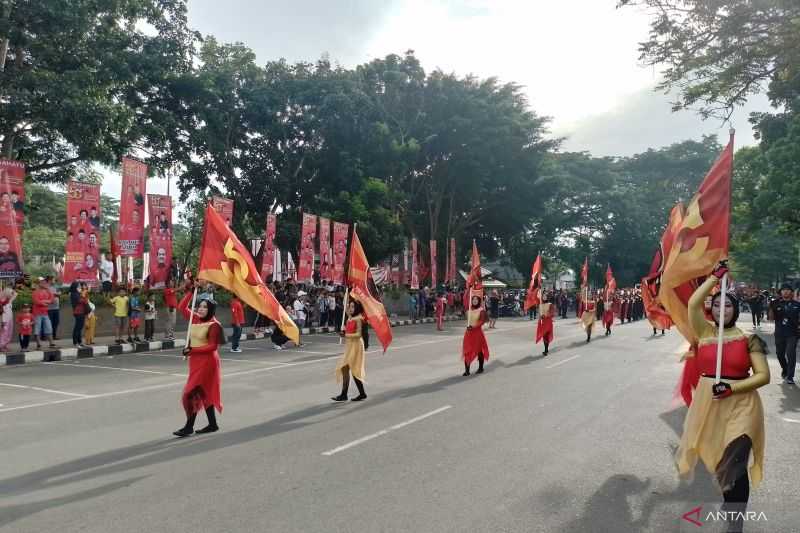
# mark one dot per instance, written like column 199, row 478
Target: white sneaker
column 277, row 347
column 236, row 350
column 788, row 381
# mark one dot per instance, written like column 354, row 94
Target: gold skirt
column 587, row 320
column 711, row 425
column 353, row 358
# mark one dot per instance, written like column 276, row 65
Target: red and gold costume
column 354, row 355
column 544, row 328
column 589, row 316
column 474, row 342
column 608, row 314
column 202, row 387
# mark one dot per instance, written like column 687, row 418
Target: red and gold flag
column 363, row 290
column 474, row 279
column 611, row 283
column 585, row 274
column 225, row 261
column 534, row 297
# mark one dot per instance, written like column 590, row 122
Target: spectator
column 79, row 312
column 300, row 309
column 120, row 303
column 106, row 271
column 412, row 305
column 171, row 302
column 134, row 316
column 25, row 326
column 322, row 305
column 494, row 309
column 237, row 321
column 42, row 327
column 150, row 314
column 54, row 309
column 7, row 297
column 91, row 323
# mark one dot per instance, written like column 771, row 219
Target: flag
column 363, row 290
column 225, row 261
column 585, row 274
column 474, row 283
column 695, row 240
column 533, row 297
column 291, row 271
column 611, row 283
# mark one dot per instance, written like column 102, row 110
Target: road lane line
column 567, row 360
column 385, row 431
column 15, row 386
column 139, row 370
column 792, row 420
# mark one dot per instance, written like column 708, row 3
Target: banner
column 291, row 271
column 308, row 233
column 414, row 265
column 268, row 259
column 395, row 274
column 277, row 272
column 83, row 233
column 324, row 248
column 159, row 208
column 339, row 251
column 405, row 279
column 223, row 206
column 130, row 235
column 433, row 264
column 12, row 217
column 453, row 264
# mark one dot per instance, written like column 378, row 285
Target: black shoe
column 544, row 354
column 480, row 371
column 183, row 432
column 466, row 373
column 208, row 429
column 130, row 340
column 359, row 398
column 340, row 398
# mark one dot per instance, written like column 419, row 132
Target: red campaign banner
column 453, row 264
column 12, row 217
column 305, row 272
column 324, row 248
column 130, row 236
column 268, row 257
column 404, row 277
column 159, row 208
column 395, row 277
column 339, row 251
column 414, row 265
column 433, row 264
column 83, row 233
column 223, row 206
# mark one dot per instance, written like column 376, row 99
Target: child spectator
column 150, row 317
column 90, row 326
column 237, row 321
column 135, row 316
column 120, row 303
column 25, row 326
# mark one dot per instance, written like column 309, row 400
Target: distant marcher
column 237, row 321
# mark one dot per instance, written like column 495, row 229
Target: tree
column 84, row 82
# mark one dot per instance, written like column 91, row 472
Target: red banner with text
column 12, row 217
column 130, row 236
column 305, row 271
column 83, row 233
column 324, row 249
column 159, row 208
column 414, row 264
column 339, row 251
column 453, row 264
column 268, row 257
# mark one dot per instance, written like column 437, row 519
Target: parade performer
column 623, row 308
column 440, row 306
column 544, row 328
column 353, row 359
column 202, row 389
column 588, row 317
column 474, row 344
column 725, row 424
column 608, row 314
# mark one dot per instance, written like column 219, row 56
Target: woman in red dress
column 202, row 389
column 544, row 328
column 474, row 344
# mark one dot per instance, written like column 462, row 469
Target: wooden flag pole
column 721, row 332
column 191, row 316
column 347, row 287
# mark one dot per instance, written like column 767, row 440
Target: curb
column 67, row 354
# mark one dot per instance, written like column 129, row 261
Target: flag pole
column 347, row 286
column 724, row 290
column 191, row 316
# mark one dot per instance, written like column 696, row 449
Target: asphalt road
column 581, row 440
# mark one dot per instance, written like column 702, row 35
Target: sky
column 577, row 59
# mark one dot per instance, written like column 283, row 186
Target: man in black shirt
column 785, row 312
column 756, row 302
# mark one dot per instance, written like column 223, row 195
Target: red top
column 169, row 298
column 351, row 327
column 237, row 313
column 215, row 334
column 735, row 360
column 41, row 299
column 25, row 323
column 439, row 306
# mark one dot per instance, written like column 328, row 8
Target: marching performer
column 544, row 328
column 588, row 317
column 724, row 427
column 202, row 389
column 353, row 359
column 608, row 313
column 474, row 344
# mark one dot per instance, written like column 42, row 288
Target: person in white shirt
column 106, row 271
column 299, row 307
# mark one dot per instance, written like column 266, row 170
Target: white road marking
column 138, row 370
column 385, row 431
column 45, row 390
column 792, row 420
column 568, row 359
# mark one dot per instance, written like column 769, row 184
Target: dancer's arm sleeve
column 758, row 360
column 697, row 318
column 183, row 305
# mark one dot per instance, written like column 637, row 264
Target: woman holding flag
column 725, row 424
column 544, row 328
column 353, row 359
column 474, row 344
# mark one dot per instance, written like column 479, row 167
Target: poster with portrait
column 268, row 257
column 12, row 217
column 223, row 206
column 414, row 264
column 305, row 272
column 339, row 251
column 130, row 241
column 159, row 209
column 324, row 249
column 452, row 262
column 83, row 234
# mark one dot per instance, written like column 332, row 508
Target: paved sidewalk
column 107, row 345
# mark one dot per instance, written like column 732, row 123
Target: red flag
column 534, row 296
column 611, row 283
column 223, row 206
column 585, row 273
column 363, row 289
column 224, row 260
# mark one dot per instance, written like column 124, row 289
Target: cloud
column 645, row 120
